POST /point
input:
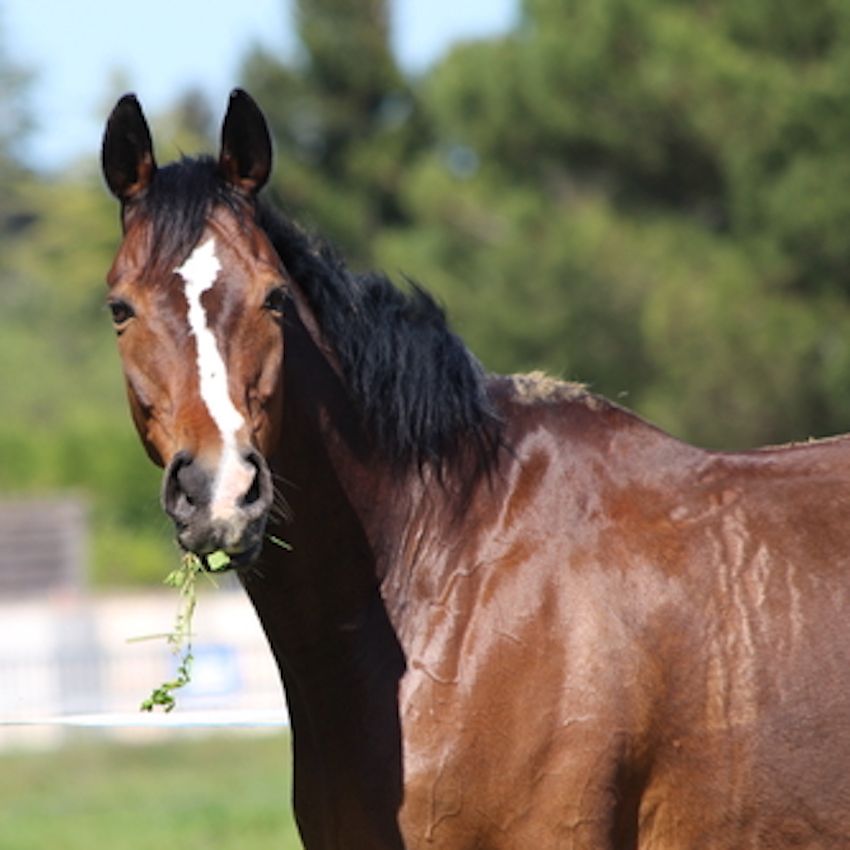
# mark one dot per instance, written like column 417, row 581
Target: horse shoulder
column 525, row 645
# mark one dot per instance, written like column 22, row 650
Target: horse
column 513, row 614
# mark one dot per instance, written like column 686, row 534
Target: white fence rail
column 70, row 661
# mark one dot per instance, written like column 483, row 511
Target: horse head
column 197, row 295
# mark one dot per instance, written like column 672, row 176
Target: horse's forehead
column 239, row 240
column 242, row 250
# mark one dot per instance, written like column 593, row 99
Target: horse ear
column 246, row 147
column 127, row 152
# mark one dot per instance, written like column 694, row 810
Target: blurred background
column 650, row 196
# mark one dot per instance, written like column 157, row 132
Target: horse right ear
column 245, row 160
column 127, row 153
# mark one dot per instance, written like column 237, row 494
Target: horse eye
column 121, row 311
column 275, row 301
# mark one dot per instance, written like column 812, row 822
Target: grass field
column 221, row 792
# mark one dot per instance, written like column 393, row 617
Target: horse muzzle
column 219, row 509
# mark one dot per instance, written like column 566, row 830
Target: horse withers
column 514, row 614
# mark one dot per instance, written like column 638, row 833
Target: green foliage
column 344, row 119
column 651, row 197
column 65, row 422
column 184, row 578
column 15, row 119
column 179, row 639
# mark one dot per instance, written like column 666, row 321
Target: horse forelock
column 176, row 208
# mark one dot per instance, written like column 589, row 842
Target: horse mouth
column 219, row 549
column 223, row 526
column 222, row 561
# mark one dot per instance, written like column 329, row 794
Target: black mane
column 420, row 392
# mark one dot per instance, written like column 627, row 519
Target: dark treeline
column 651, row 196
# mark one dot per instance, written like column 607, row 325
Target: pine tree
column 653, row 197
column 15, row 125
column 345, row 121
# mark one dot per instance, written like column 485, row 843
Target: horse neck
column 347, row 507
column 321, row 607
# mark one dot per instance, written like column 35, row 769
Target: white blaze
column 234, row 475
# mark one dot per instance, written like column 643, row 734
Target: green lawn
column 221, row 792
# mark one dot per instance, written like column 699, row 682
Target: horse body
column 632, row 654
column 514, row 615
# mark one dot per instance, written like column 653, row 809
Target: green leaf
column 218, row 560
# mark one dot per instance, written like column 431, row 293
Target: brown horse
column 515, row 616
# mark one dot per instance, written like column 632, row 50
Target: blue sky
column 161, row 47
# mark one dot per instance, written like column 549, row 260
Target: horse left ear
column 246, row 148
column 127, row 151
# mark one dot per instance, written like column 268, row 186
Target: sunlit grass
column 214, row 793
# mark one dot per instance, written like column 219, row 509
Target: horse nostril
column 253, row 493
column 258, row 495
column 185, row 489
